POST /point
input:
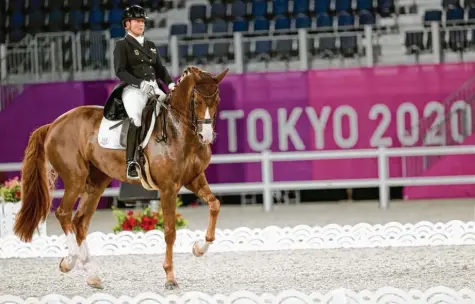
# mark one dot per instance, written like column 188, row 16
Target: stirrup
column 137, row 170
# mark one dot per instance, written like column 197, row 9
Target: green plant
column 10, row 191
column 145, row 220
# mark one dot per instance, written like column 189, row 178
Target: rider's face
column 136, row 26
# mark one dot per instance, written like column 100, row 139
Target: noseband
column 197, row 123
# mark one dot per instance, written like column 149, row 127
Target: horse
column 69, row 148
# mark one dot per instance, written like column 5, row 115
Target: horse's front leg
column 168, row 202
column 200, row 187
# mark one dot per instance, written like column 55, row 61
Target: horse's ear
column 218, row 78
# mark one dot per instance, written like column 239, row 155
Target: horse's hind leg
column 200, row 187
column 74, row 185
column 95, row 186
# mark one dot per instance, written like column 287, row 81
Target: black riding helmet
column 132, row 12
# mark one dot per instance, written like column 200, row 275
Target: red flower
column 130, row 213
column 132, row 221
column 126, row 226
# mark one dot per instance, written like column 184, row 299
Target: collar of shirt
column 140, row 39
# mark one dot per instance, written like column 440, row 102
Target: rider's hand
column 146, row 87
column 171, row 86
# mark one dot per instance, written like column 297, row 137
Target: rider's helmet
column 132, row 12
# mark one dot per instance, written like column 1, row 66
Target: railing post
column 383, row 178
column 436, row 49
column 368, row 31
column 175, row 56
column 238, row 52
column 266, row 171
column 303, row 49
column 3, row 61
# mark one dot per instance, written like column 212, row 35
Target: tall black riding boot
column 132, row 164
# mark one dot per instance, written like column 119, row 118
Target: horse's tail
column 35, row 195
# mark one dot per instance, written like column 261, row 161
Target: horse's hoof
column 94, row 282
column 171, row 285
column 197, row 250
column 63, row 268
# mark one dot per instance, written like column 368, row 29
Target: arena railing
column 267, row 185
column 87, row 55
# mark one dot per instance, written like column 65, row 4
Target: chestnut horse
column 69, row 147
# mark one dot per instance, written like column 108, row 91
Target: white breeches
column 135, row 100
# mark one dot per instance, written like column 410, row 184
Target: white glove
column 171, row 86
column 146, row 87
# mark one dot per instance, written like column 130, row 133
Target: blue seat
column 324, row 20
column 163, row 51
column 261, row 24
column 345, row 19
column 322, row 6
column 366, row 17
column 16, row 35
column 35, row 5
column 197, row 12
column 36, row 22
column 219, row 26
column 17, row 5
column 75, row 20
column 303, row 21
column 116, row 31
column 238, row 9
column 115, row 15
column 201, row 49
column 96, row 19
column 218, row 10
column 281, row 23
column 240, row 25
column 432, row 15
column 342, row 5
column 386, row 7
column 455, row 15
column 56, row 21
column 364, row 5
column 300, row 7
column 178, row 29
column 259, row 8
column 471, row 14
column 17, row 20
column 280, row 7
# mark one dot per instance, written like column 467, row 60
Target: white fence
column 267, row 185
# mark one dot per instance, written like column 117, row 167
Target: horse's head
column 203, row 96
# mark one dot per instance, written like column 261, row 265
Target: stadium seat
column 35, row 5
column 197, row 12
column 240, row 25
column 238, row 10
column 17, row 20
column 324, row 20
column 220, row 49
column 263, row 47
column 280, row 7
column 116, row 31
column 17, row 5
column 322, row 6
column 432, row 15
column 342, row 6
column 35, row 22
column 471, row 15
column 178, row 29
column 96, row 19
column 364, row 5
column 163, row 51
column 55, row 21
column 454, row 16
column 218, row 11
column 74, row 20
column 446, row 4
column 303, row 21
column 281, row 23
column 386, row 8
column 115, row 16
column 457, row 40
column 345, row 19
column 259, row 8
column 300, row 7
column 16, row 35
column 201, row 50
column 366, row 17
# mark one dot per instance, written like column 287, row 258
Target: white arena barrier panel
column 362, row 235
column 438, row 294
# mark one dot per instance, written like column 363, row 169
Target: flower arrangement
column 145, row 220
column 10, row 191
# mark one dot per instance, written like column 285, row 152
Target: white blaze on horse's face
column 206, row 133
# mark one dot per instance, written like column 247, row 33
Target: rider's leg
column 134, row 102
column 161, row 95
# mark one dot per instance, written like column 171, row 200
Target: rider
column 138, row 65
